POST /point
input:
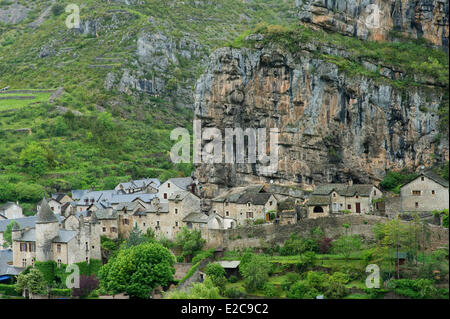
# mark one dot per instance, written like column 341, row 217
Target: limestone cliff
column 414, row 18
column 335, row 126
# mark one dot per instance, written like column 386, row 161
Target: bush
column 301, row 290
column 270, row 290
column 87, row 285
column 296, row 245
column 216, row 273
column 235, row 293
column 259, row 221
column 325, row 245
column 289, row 280
column 233, row 279
column 414, row 288
column 65, row 292
column 9, row 290
column 57, row 9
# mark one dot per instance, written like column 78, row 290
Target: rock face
column 415, row 18
column 333, row 128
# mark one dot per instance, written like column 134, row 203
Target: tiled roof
column 127, row 198
column 326, row 189
column 29, row 235
column 255, row 199
column 106, row 214
column 229, row 264
column 79, row 193
column 233, row 195
column 140, row 183
column 164, row 208
column 435, row 177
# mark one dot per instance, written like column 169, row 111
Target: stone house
column 10, row 210
column 336, row 198
column 426, row 193
column 71, row 242
column 201, row 221
column 62, row 198
column 129, row 215
column 148, row 185
column 172, row 186
column 23, row 222
column 108, row 220
column 243, row 205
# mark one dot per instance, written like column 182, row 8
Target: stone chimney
column 350, row 182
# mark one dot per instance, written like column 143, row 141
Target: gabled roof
column 106, row 214
column 232, row 264
column 197, row 218
column 141, row 183
column 23, row 222
column 319, row 200
column 360, row 189
column 233, row 195
column 182, row 182
column 128, row 206
column 435, row 177
column 28, row 235
column 127, row 198
column 58, row 196
column 64, row 236
column 164, row 208
column 255, row 199
column 79, row 193
column 180, row 195
column 7, row 205
column 327, row 189
column 45, row 214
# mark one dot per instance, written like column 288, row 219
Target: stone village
column 67, row 228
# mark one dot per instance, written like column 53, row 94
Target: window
column 165, row 195
column 104, row 229
column 433, row 192
column 176, row 224
column 374, row 193
column 59, row 263
column 58, row 248
column 349, row 206
column 176, row 210
column 270, row 203
column 168, row 185
column 125, row 221
column 334, row 194
column 87, row 259
column 357, row 196
column 157, row 223
column 113, row 230
column 32, row 247
column 93, row 247
column 87, row 246
column 226, row 203
column 227, row 213
column 422, row 178
column 52, row 208
column 417, row 204
column 24, row 262
column 249, row 214
column 23, row 246
column 143, row 224
column 32, row 261
column 416, row 193
column 249, row 204
column 189, row 225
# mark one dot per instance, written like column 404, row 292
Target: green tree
column 205, row 290
column 135, row 238
column 216, row 273
column 36, row 158
column 137, row 270
column 190, row 241
column 33, row 281
column 7, row 235
column 255, row 271
column 345, row 245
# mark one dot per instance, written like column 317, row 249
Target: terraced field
column 19, row 98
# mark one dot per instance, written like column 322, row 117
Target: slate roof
column 77, row 194
column 255, row 199
column 360, row 189
column 233, row 195
column 64, row 236
column 182, row 182
column 6, row 206
column 28, row 235
column 344, row 189
column 140, row 183
column 127, row 198
column 6, row 256
column 23, row 222
column 128, row 206
column 433, row 176
column 326, row 189
column 97, row 196
column 179, row 195
column 153, row 209
column 45, row 214
column 106, row 214
column 319, row 200
column 58, row 196
column 197, row 218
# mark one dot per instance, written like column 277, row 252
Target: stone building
column 108, row 220
column 426, row 193
column 10, row 210
column 243, row 205
column 71, row 242
column 172, row 186
column 329, row 199
column 148, row 185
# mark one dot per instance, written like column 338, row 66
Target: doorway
column 358, row 208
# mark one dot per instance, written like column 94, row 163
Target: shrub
column 233, row 279
column 324, row 245
column 259, row 221
column 235, row 293
column 216, row 273
column 57, row 9
column 301, row 290
column 9, row 290
column 87, row 285
column 65, row 292
column 296, row 245
column 270, row 290
column 414, row 288
column 289, row 280
column 255, row 270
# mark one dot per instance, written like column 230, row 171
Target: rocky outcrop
column 375, row 20
column 333, row 127
column 13, row 13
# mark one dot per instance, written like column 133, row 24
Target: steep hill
column 94, row 105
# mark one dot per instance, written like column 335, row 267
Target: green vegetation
column 205, row 290
column 7, row 235
column 137, row 270
column 190, row 241
column 394, row 180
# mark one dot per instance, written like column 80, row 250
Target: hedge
column 9, row 290
column 66, row 292
column 54, row 274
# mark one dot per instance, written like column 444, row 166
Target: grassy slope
column 95, row 149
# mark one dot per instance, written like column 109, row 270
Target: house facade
column 71, row 242
column 172, row 186
column 10, row 210
column 426, row 193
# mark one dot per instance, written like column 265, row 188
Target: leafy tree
column 36, row 158
column 347, row 244
column 137, row 270
column 189, row 241
column 216, row 273
column 296, row 245
column 255, row 271
column 57, row 9
column 87, row 285
column 33, row 281
column 301, row 290
column 136, row 237
column 7, row 235
column 205, row 290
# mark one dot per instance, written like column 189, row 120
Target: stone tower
column 47, row 228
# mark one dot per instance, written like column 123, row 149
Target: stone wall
column 272, row 234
